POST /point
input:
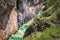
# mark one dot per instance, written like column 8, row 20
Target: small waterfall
column 29, row 11
column 26, row 10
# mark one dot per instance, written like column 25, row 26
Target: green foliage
column 49, row 3
column 48, row 33
column 50, row 16
column 45, row 35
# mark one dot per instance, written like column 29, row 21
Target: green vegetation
column 51, row 16
column 47, row 34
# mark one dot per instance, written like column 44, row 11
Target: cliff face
column 12, row 11
column 5, row 10
column 6, row 17
column 6, row 4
